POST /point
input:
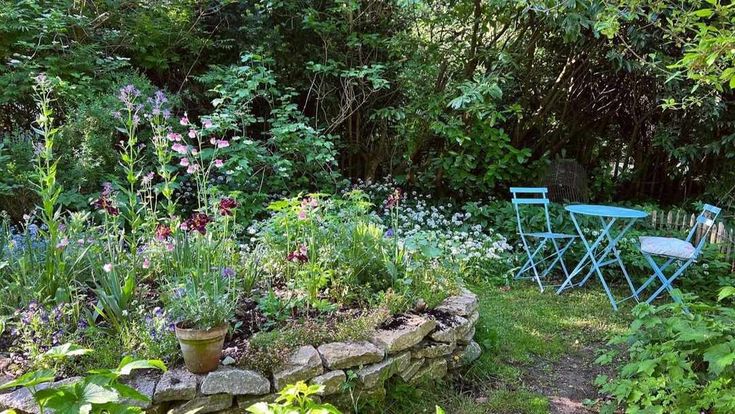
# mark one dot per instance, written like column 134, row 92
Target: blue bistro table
column 596, row 255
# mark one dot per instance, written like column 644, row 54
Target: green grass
column 519, row 329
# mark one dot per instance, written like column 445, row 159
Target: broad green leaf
column 719, row 357
column 66, row 350
column 30, row 379
column 128, row 367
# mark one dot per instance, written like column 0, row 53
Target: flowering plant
column 201, row 284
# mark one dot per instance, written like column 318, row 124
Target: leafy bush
column 675, row 362
column 296, row 399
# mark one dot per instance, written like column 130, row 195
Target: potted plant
column 200, row 292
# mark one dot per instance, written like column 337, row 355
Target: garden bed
column 414, row 347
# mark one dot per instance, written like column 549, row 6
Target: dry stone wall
column 416, row 348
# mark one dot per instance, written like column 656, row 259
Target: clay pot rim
column 200, row 334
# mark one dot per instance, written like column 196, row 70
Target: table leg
column 582, row 262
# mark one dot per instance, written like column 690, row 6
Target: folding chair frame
column 706, row 219
column 559, row 247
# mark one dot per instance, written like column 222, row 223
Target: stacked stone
column 420, row 349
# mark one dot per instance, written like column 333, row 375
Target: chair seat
column 667, row 246
column 548, row 235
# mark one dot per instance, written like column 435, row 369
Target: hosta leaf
column 30, row 379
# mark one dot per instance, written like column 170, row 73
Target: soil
column 568, row 381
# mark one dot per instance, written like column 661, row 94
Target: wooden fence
column 722, row 234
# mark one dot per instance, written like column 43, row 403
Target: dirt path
column 568, row 381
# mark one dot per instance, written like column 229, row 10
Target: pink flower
column 207, row 123
column 174, row 137
column 213, row 141
column 170, row 247
column 146, row 263
column 181, row 149
column 184, row 120
column 192, row 133
column 184, row 162
column 219, row 163
column 302, row 214
column 223, row 143
column 194, row 151
column 62, row 243
column 107, row 267
column 192, row 169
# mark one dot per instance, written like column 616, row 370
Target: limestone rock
column 412, row 368
column 467, row 338
column 332, row 382
column 228, row 361
column 462, row 305
column 450, row 329
column 340, row 355
column 466, row 355
column 431, row 370
column 235, row 381
column 204, row 404
column 303, row 364
column 411, row 331
column 175, row 385
column 373, row 375
column 144, row 384
column 432, row 349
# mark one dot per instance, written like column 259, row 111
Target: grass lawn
column 538, row 353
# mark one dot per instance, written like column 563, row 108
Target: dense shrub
column 675, row 362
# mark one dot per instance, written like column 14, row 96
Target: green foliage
column 98, row 392
column 675, row 362
column 295, row 399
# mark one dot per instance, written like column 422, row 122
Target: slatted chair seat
column 667, row 247
column 681, row 253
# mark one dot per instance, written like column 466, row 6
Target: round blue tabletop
column 606, row 211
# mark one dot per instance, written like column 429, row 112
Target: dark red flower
column 105, row 201
column 226, row 205
column 163, row 232
column 197, row 222
column 299, row 255
column 393, row 199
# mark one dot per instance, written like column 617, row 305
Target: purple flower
column 227, row 272
column 127, row 96
column 389, row 233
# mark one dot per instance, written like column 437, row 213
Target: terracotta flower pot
column 201, row 348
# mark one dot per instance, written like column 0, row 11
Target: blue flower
column 389, row 233
column 227, row 272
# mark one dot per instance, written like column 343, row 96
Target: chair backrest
column 703, row 226
column 530, row 196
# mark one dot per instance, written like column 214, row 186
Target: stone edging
column 422, row 347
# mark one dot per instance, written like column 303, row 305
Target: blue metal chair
column 534, row 242
column 675, row 250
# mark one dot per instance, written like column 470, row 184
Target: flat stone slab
column 431, row 370
column 411, row 331
column 464, row 304
column 340, row 355
column 411, row 369
column 332, row 382
column 176, row 384
column 450, row 329
column 235, row 381
column 245, row 401
column 144, row 384
column 303, row 364
column 432, row 349
column 205, row 404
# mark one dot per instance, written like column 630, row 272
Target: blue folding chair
column 676, row 250
column 534, row 197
